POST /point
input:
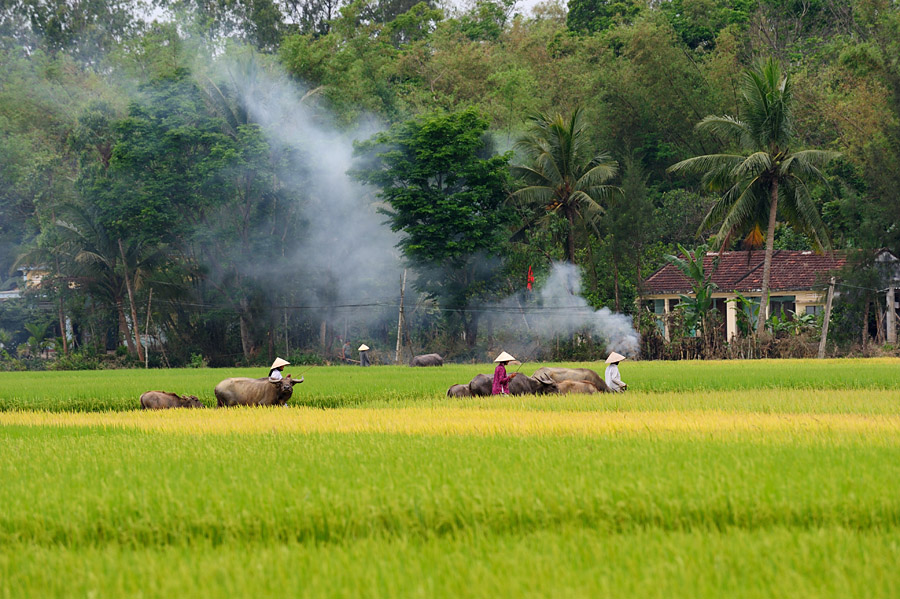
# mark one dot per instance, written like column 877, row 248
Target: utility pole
column 891, row 317
column 400, row 318
column 827, row 318
column 147, row 331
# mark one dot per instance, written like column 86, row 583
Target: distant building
column 30, row 280
column 796, row 283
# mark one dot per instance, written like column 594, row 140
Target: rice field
column 707, row 479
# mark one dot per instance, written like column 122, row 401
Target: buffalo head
column 285, row 388
column 191, row 401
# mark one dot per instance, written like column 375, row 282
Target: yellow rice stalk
column 481, row 422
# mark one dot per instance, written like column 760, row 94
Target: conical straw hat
column 363, row 347
column 614, row 357
column 504, row 357
column 278, row 363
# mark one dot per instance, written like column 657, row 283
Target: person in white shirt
column 613, row 380
column 275, row 372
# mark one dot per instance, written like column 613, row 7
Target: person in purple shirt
column 501, row 381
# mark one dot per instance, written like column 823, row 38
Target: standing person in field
column 276, row 370
column 501, row 381
column 613, row 380
column 345, row 353
column 364, row 355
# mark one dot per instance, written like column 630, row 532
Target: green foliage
column 198, row 361
column 104, row 112
column 443, row 196
column 445, row 191
column 593, row 16
column 563, row 174
column 486, row 20
column 698, row 22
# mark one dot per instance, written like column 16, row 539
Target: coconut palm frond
column 701, row 164
column 806, row 215
column 530, row 174
column 743, row 210
column 589, row 208
column 807, row 163
column 535, row 195
column 753, row 165
column 724, row 126
column 599, row 174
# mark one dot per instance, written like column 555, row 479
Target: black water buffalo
column 520, row 384
column 459, row 391
column 573, row 374
column 240, row 391
column 427, row 360
column 163, row 400
column 566, row 387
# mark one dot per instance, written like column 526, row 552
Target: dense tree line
column 140, row 171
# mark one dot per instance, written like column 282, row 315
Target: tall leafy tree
column 765, row 175
column 445, row 191
column 563, row 174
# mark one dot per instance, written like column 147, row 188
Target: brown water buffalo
column 163, row 400
column 577, row 387
column 427, row 360
column 459, row 391
column 240, row 391
column 520, row 384
column 573, row 374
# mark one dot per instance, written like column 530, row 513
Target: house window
column 782, row 306
column 815, row 310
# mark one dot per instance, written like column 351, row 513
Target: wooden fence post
column 827, row 318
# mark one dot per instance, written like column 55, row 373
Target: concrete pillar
column 891, row 317
column 666, row 319
column 730, row 320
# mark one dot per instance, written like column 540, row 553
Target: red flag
column 530, row 279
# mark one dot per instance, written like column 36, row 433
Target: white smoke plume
column 347, row 252
column 558, row 309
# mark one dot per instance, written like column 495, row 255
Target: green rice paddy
column 708, row 479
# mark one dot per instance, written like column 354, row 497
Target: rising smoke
column 346, row 252
column 558, row 310
column 350, row 253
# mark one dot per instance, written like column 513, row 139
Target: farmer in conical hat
column 501, row 381
column 363, row 355
column 275, row 371
column 613, row 380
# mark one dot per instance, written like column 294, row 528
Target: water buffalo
column 520, row 384
column 240, row 391
column 459, row 391
column 162, row 400
column 573, row 374
column 577, row 387
column 427, row 360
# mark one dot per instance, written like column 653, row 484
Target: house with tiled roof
column 797, row 283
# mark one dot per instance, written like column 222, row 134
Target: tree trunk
column 767, row 264
column 134, row 319
column 471, row 328
column 570, row 239
column 62, row 327
column 62, row 318
column 616, row 284
column 123, row 326
column 246, row 341
column 865, row 326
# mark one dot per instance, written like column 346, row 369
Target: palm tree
column 110, row 268
column 563, row 175
column 766, row 176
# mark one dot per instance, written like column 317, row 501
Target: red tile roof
column 742, row 271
